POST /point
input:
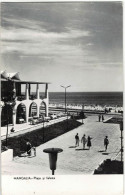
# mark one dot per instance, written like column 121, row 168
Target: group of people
column 101, row 117
column 87, row 141
column 84, row 140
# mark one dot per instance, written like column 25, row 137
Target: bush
column 80, row 116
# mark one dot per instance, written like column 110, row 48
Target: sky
column 77, row 44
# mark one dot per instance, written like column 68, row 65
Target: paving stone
column 74, row 160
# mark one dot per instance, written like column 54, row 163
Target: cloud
column 89, row 44
column 42, row 42
column 35, row 35
column 18, row 22
column 73, row 40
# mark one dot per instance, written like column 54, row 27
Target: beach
column 93, row 101
column 111, row 109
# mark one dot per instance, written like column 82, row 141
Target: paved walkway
column 24, row 127
column 72, row 160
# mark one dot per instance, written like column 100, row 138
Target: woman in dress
column 89, row 144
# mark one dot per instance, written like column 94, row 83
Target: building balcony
column 23, row 97
column 31, row 97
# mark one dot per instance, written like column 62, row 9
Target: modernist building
column 17, row 106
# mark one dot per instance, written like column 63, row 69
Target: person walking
column 99, row 116
column 106, row 142
column 77, row 140
column 84, row 140
column 89, row 144
column 102, row 118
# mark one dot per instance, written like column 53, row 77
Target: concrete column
column 14, row 89
column 14, row 116
column 37, row 92
column 46, row 92
column 27, row 92
column 29, row 89
column 2, row 105
column 27, row 114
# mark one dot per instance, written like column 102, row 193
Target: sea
column 87, row 98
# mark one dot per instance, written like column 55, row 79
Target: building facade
column 19, row 106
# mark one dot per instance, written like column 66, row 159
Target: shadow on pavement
column 23, row 155
column 101, row 151
column 30, row 156
column 82, row 149
column 105, row 153
column 72, row 146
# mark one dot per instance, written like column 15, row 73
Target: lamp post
column 9, row 102
column 43, row 127
column 65, row 94
column 7, row 122
column 52, row 157
column 82, row 113
column 67, row 119
column 8, row 105
column 121, row 129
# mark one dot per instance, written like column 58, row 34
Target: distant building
column 17, row 106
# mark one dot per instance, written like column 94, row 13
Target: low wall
column 7, row 156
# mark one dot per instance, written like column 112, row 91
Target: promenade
column 24, row 127
column 73, row 160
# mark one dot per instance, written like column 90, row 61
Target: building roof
column 31, row 82
column 3, row 74
column 15, row 77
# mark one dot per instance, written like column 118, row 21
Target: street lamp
column 9, row 102
column 43, row 127
column 82, row 113
column 67, row 119
column 52, row 157
column 8, row 105
column 65, row 94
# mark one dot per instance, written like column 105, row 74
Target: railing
column 31, row 97
column 21, row 98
